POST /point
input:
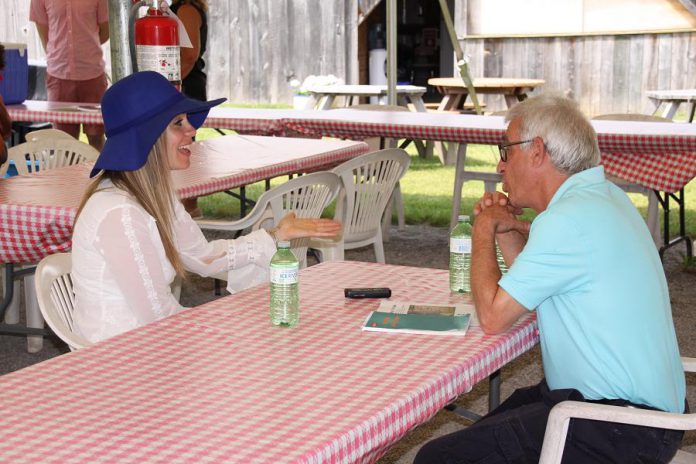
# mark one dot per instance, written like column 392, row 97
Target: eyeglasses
column 503, row 148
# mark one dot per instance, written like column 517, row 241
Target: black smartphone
column 373, row 292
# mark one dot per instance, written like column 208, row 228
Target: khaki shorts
column 89, row 91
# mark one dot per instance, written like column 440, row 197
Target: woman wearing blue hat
column 132, row 236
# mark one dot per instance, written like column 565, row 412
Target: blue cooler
column 14, row 80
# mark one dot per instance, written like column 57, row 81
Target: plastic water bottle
column 460, row 256
column 501, row 261
column 285, row 298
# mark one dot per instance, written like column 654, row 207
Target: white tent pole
column 391, row 52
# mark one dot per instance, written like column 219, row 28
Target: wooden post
column 462, row 62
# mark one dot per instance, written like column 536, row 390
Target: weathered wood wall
column 258, row 46
column 605, row 74
column 15, row 27
column 255, row 47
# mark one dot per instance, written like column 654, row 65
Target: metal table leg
column 678, row 197
column 10, row 276
column 493, row 399
column 494, row 390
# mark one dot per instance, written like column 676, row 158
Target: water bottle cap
column 463, row 218
column 283, row 244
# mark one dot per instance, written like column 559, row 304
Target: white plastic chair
column 559, row 419
column 653, row 203
column 50, row 153
column 368, row 182
column 54, row 290
column 307, row 196
column 379, row 143
column 47, row 134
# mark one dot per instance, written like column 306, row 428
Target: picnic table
column 246, row 122
column 672, row 99
column 659, row 156
column 38, row 210
column 219, row 383
column 454, row 92
column 323, row 96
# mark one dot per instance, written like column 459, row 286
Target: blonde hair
column 151, row 185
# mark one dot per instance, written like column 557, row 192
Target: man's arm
column 496, row 309
column 103, row 32
column 42, row 29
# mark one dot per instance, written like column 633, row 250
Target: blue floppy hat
column 136, row 111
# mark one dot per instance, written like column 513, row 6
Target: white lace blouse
column 121, row 274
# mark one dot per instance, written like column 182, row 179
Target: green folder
column 417, row 323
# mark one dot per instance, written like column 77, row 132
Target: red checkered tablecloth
column 660, row 156
column 657, row 155
column 218, row 383
column 245, row 121
column 37, row 211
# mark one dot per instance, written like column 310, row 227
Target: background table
column 37, row 211
column 672, row 100
column 659, row 156
column 247, row 122
column 323, row 96
column 218, row 383
column 454, row 92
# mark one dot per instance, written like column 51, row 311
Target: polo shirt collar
column 589, row 176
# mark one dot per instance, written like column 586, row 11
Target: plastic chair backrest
column 368, row 182
column 48, row 154
column 307, row 196
column 47, row 134
column 54, row 290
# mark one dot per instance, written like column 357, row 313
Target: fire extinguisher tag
column 164, row 59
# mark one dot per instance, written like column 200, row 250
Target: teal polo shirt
column 591, row 270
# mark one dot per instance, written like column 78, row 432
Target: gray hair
column 568, row 136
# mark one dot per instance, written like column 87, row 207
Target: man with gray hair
column 589, row 267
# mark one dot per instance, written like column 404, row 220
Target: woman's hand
column 291, row 227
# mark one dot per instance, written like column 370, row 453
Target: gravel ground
column 425, row 246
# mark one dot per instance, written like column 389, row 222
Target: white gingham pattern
column 37, row 211
column 57, row 112
column 69, row 113
column 243, row 120
column 218, row 383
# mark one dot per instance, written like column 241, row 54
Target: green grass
column 427, row 189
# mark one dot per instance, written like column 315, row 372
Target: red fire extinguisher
column 157, row 45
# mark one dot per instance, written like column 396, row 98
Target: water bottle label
column 460, row 245
column 284, row 274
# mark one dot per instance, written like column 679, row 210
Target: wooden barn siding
column 16, row 27
column 257, row 46
column 605, row 74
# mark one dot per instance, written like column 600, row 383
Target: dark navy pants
column 514, row 433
